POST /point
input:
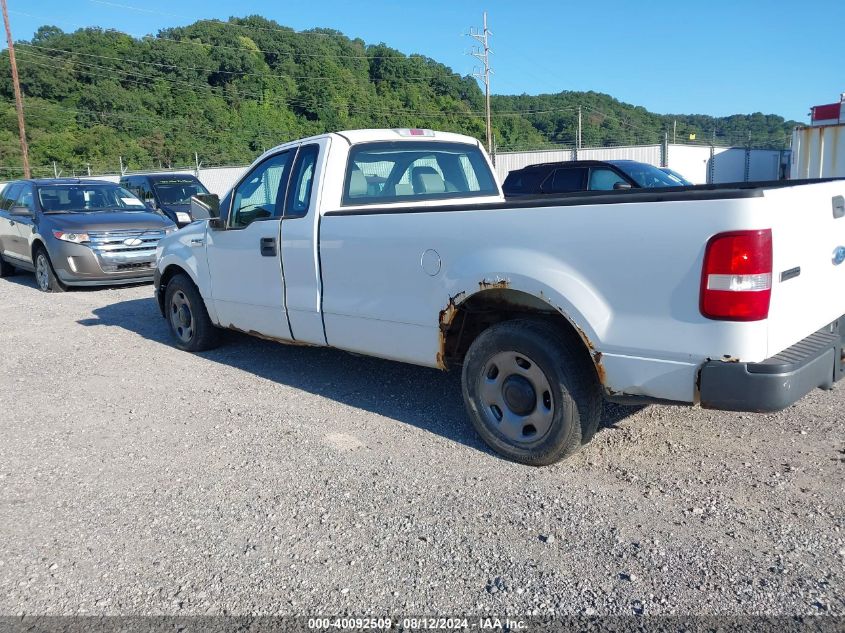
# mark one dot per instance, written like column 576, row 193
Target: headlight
column 169, row 229
column 183, row 217
column 76, row 238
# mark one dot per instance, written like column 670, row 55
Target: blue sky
column 716, row 57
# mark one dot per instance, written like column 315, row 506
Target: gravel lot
column 259, row 478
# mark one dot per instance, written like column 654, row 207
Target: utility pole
column 674, row 131
column 483, row 55
column 578, row 139
column 18, row 97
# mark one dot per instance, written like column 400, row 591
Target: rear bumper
column 779, row 381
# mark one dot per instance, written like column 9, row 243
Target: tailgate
column 808, row 275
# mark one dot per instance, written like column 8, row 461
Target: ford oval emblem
column 838, row 255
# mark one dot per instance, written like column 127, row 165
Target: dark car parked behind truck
column 168, row 193
column 74, row 232
column 586, row 175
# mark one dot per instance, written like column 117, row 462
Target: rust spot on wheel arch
column 595, row 354
column 599, row 367
column 447, row 315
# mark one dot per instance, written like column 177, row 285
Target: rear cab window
column 389, row 172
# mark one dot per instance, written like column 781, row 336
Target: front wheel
column 187, row 316
column 531, row 391
column 45, row 275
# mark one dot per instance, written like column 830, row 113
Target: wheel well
column 36, row 244
column 461, row 324
column 169, row 273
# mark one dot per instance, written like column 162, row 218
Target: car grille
column 120, row 251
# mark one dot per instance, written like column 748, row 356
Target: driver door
column 244, row 260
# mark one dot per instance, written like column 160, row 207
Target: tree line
column 228, row 90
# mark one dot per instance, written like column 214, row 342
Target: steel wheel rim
column 505, row 389
column 181, row 317
column 42, row 274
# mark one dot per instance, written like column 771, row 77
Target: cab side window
column 299, row 194
column 26, row 198
column 135, row 185
column 603, row 179
column 260, row 195
column 10, row 196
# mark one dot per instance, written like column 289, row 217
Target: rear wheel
column 531, row 391
column 188, row 317
column 45, row 275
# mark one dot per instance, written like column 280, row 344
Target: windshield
column 178, row 191
column 647, row 176
column 673, row 174
column 86, row 198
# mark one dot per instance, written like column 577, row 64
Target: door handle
column 268, row 246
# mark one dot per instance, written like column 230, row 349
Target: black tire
column 187, row 316
column 6, row 269
column 45, row 274
column 550, row 418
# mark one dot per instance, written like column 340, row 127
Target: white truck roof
column 387, row 134
column 368, row 136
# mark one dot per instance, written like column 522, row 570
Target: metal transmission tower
column 17, row 85
column 482, row 53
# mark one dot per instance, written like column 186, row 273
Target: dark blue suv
column 169, row 193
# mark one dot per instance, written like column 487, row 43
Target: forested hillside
column 227, row 90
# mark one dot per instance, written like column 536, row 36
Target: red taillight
column 736, row 280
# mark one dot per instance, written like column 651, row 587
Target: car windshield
column 87, row 198
column 647, row 176
column 673, row 174
column 178, row 191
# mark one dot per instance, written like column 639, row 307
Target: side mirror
column 205, row 206
column 21, row 212
column 621, row 185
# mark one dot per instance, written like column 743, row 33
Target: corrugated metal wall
column 691, row 161
column 818, row 152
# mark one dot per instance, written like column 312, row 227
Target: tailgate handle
column 268, row 246
column 838, row 206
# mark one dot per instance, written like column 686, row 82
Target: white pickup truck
column 399, row 244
